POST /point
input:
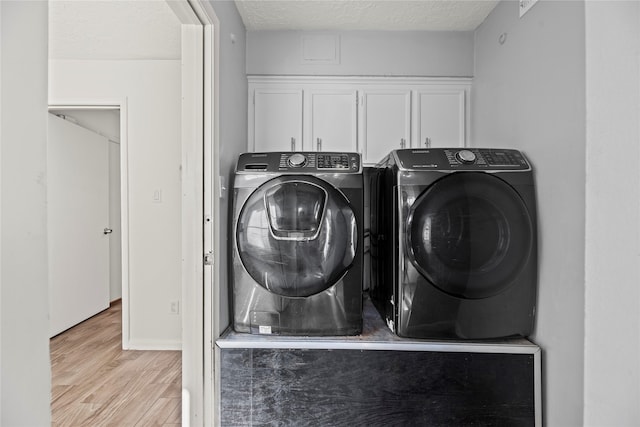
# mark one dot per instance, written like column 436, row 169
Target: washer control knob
column 297, row 160
column 466, row 156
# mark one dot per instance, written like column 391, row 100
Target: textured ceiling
column 110, row 29
column 399, row 15
column 148, row 29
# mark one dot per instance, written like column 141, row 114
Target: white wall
column 374, row 53
column 24, row 302
column 153, row 93
column 232, row 133
column 612, row 264
column 529, row 93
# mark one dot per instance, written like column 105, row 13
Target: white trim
column 359, row 80
column 184, row 11
column 211, row 209
column 200, row 71
column 537, row 386
column 212, row 206
column 192, row 220
column 156, row 345
column 122, row 105
column 309, row 343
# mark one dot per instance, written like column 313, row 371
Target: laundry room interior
column 546, row 100
column 537, row 82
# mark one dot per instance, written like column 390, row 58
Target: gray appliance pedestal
column 376, row 379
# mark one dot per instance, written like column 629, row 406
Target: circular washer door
column 296, row 235
column 469, row 234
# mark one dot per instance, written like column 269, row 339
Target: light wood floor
column 96, row 383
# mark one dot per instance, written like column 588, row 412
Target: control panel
column 300, row 162
column 462, row 159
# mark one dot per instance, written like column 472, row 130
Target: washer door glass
column 296, row 235
column 469, row 234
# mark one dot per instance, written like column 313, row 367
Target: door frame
column 200, row 157
column 119, row 104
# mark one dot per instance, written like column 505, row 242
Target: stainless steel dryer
column 297, row 243
column 454, row 243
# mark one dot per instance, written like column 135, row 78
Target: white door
column 332, row 122
column 78, row 213
column 440, row 119
column 277, row 120
column 386, row 123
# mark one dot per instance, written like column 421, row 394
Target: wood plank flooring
column 96, row 383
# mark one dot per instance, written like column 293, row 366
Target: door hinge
column 208, row 258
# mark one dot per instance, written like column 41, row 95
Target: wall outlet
column 174, row 307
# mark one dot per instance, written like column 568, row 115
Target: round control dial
column 466, row 156
column 297, row 160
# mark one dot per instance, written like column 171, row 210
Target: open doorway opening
column 94, row 380
column 140, row 87
column 85, row 191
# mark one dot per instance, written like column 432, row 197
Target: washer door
column 469, row 234
column 296, row 235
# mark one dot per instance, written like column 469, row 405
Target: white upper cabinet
column 385, row 118
column 370, row 115
column 331, row 122
column 440, row 118
column 275, row 120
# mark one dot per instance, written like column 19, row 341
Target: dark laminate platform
column 376, row 378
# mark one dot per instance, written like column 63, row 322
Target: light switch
column 157, row 196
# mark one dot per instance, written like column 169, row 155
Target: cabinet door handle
column 427, row 142
column 319, row 143
column 403, row 143
column 293, row 144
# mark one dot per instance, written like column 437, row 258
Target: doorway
column 197, row 146
column 85, row 242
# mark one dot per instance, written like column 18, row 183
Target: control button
column 297, row 160
column 466, row 156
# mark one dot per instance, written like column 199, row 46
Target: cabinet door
column 277, row 120
column 440, row 118
column 331, row 120
column 386, row 123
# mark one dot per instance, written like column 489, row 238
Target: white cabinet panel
column 311, row 113
column 440, row 117
column 386, row 123
column 276, row 117
column 332, row 120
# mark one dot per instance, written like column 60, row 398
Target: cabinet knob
column 403, row 143
column 427, row 142
column 293, row 144
column 319, row 143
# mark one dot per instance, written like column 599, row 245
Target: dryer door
column 469, row 234
column 296, row 235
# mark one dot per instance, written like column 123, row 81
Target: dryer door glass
column 469, row 234
column 296, row 235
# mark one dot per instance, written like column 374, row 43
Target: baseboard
column 154, row 345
